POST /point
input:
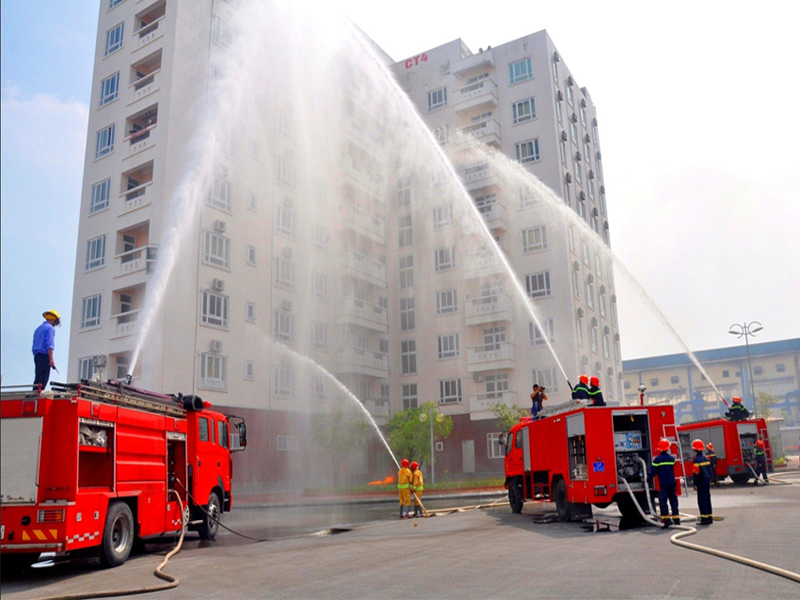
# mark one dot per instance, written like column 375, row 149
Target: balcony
column 141, row 139
column 135, row 198
column 471, row 64
column 364, row 314
column 483, row 264
column 148, row 22
column 363, row 362
column 487, row 131
column 126, row 323
column 479, row 176
column 366, row 269
column 489, row 309
column 494, row 215
column 480, row 405
column 137, row 260
column 369, row 226
column 379, row 409
column 145, row 85
column 490, row 357
column 480, row 95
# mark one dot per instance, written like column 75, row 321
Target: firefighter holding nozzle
column 663, row 467
column 761, row 463
column 581, row 391
column 737, row 411
column 417, row 485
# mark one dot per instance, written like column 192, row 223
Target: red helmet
column 710, row 446
column 415, row 465
column 698, row 445
column 583, row 379
column 663, row 444
column 595, row 381
column 759, row 443
column 404, row 462
column 736, row 399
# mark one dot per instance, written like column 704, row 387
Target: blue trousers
column 668, row 494
column 42, row 362
column 704, row 498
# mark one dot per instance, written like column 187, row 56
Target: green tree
column 410, row 437
column 340, row 433
column 764, row 402
column 507, row 416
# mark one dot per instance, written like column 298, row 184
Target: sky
column 697, row 123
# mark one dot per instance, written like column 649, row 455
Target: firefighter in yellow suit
column 404, row 478
column 416, row 489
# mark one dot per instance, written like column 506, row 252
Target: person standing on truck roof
column 404, row 479
column 417, row 485
column 701, row 481
column 537, row 398
column 43, row 345
column 663, row 467
column 581, row 391
column 595, row 395
column 737, row 411
column 712, row 456
column 761, row 462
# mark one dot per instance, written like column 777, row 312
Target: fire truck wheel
column 208, row 530
column 562, row 504
column 117, row 535
column 514, row 497
column 740, row 478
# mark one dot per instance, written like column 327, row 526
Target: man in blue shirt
column 43, row 345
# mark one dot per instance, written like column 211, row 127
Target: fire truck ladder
column 665, row 428
column 119, row 395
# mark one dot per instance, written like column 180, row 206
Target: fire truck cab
column 100, row 466
column 582, row 456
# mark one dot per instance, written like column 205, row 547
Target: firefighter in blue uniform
column 761, row 463
column 595, row 395
column 701, row 481
column 663, row 467
column 581, row 391
column 712, row 457
column 737, row 411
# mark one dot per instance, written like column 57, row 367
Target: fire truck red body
column 578, row 457
column 100, row 465
column 734, row 444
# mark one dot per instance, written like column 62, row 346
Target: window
column 493, row 337
column 578, row 172
column 583, row 119
column 534, row 239
column 284, row 273
column 726, row 374
column 318, row 386
column 627, row 385
column 408, row 357
column 216, row 250
column 215, row 310
column 590, row 294
column 222, row 32
column 579, row 330
column 250, row 311
column 563, row 148
column 602, row 301
column 654, row 382
column 219, row 196
column 780, row 368
column 202, row 429
column 322, row 236
column 570, row 96
column 405, row 234
column 521, row 70
column 286, row 222
column 442, row 134
column 573, row 132
column 606, row 346
column 96, row 252
column 559, row 111
column 538, row 284
column 546, row 378
column 284, row 327
column 407, row 319
column 537, row 338
column 284, row 380
column 757, row 370
column 213, row 371
column 555, row 72
column 319, row 335
column 251, row 255
column 409, row 394
column 287, row 443
column 285, row 170
column 114, row 38
column 445, row 258
column 90, row 315
column 449, row 346
column 101, row 194
column 576, row 289
column 252, row 202
column 524, row 111
column 384, row 346
column 123, row 364
column 587, row 154
column 402, row 192
column 109, row 89
column 496, row 385
column 674, row 379
column 527, row 196
column 222, row 433
column 437, row 99
column 442, row 216
column 85, row 368
column 113, row 3
column 593, row 339
column 446, row 302
column 104, row 143
column 585, row 254
column 528, row 151
column 449, row 391
column 286, row 123
column 319, row 285
column 493, row 447
column 406, row 272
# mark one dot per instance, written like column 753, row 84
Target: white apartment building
column 336, row 285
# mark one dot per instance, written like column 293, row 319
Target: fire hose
column 687, row 531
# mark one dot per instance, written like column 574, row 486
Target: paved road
column 478, row 554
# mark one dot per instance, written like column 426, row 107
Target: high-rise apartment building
column 358, row 286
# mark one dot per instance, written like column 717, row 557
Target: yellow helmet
column 53, row 313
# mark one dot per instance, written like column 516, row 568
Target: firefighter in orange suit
column 416, row 489
column 404, row 478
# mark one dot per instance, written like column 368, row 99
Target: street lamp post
column 747, row 330
column 434, row 414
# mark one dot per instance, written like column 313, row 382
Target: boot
column 401, row 511
column 676, row 520
column 665, row 523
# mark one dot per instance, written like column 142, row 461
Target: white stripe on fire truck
column 82, row 537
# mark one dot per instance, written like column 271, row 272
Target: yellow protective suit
column 417, row 486
column 404, row 478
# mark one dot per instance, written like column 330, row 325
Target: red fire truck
column 578, row 457
column 734, row 444
column 98, row 466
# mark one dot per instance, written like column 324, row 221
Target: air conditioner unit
column 594, row 211
column 576, row 265
column 570, row 80
column 220, row 226
column 594, row 121
column 606, row 329
column 574, row 118
column 599, row 156
column 477, row 377
column 218, row 285
column 613, row 297
column 288, row 202
column 216, row 345
column 286, row 305
column 594, row 321
column 288, row 253
column 616, row 337
column 605, row 224
column 584, row 360
column 568, row 178
column 590, row 174
column 580, row 312
column 587, row 138
column 578, row 155
column 583, row 102
column 98, row 361
column 598, row 367
column 609, row 371
column 590, row 278
column 602, row 289
column 556, row 57
column 582, row 196
column 564, row 136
